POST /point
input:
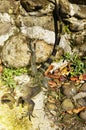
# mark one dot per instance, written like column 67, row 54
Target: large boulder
column 16, row 53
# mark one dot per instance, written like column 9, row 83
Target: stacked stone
column 34, row 19
column 21, row 19
column 73, row 14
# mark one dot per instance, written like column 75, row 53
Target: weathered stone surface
column 9, row 6
column 65, row 8
column 4, row 6
column 73, row 14
column 79, row 38
column 67, row 104
column 82, row 49
column 4, row 28
column 65, row 43
column 81, row 12
column 38, row 8
column 75, row 24
column 68, row 9
column 15, row 52
column 37, row 32
column 43, row 51
column 47, row 22
column 42, row 28
column 5, row 17
column 83, row 115
column 33, row 5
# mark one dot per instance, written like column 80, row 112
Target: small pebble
column 83, row 87
column 69, row 90
column 83, row 115
column 67, row 104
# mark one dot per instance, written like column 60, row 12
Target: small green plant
column 77, row 66
column 66, row 29
column 67, row 56
column 9, row 73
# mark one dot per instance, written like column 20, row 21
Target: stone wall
column 35, row 19
column 73, row 17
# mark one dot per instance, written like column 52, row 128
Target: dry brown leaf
column 77, row 110
column 48, row 70
column 53, row 76
column 51, row 99
column 74, row 78
column 62, row 78
column 65, row 71
column 70, row 111
column 52, row 84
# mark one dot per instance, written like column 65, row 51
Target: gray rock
column 15, row 52
column 4, row 28
column 75, row 24
column 7, row 6
column 34, row 5
column 67, row 104
column 65, row 43
column 81, row 12
column 4, row 6
column 68, row 9
column 43, row 51
column 5, row 17
column 47, row 22
column 83, row 115
column 79, row 37
column 37, row 32
column 37, row 8
column 69, row 89
column 82, row 49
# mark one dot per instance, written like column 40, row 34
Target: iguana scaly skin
column 38, row 78
column 28, row 91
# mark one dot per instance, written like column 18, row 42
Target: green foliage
column 67, row 56
column 9, row 73
column 66, row 29
column 77, row 66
